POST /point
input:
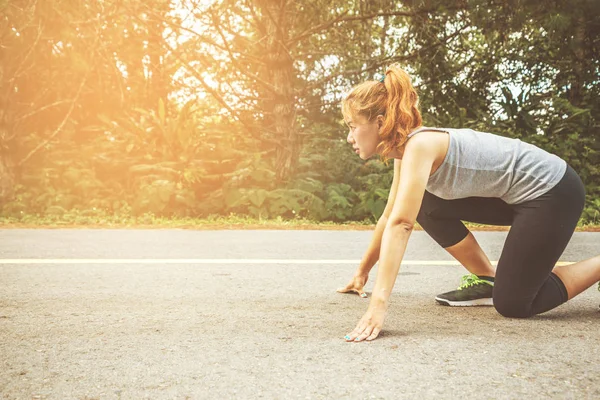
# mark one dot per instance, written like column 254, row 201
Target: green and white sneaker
column 473, row 291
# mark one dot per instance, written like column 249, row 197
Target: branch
column 382, row 62
column 17, row 70
column 271, row 17
column 281, row 12
column 213, row 92
column 238, row 66
column 238, row 13
column 343, row 18
column 40, row 110
column 205, row 39
column 317, row 28
column 58, row 129
column 278, row 33
column 261, row 27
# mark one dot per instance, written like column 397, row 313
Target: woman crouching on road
column 451, row 175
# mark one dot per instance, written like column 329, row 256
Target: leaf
column 165, row 190
column 382, row 193
column 257, row 197
column 262, row 175
column 233, row 198
column 182, row 129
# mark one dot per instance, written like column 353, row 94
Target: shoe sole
column 470, row 303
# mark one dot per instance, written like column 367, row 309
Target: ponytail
column 395, row 99
column 402, row 115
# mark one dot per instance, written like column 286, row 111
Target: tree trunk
column 157, row 87
column 7, row 179
column 281, row 73
column 7, row 175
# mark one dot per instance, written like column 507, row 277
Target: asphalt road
column 132, row 328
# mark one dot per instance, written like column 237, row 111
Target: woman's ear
column 380, row 120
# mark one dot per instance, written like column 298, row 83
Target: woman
column 449, row 175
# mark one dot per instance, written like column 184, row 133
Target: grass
column 100, row 220
column 150, row 221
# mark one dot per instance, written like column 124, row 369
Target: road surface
column 180, row 314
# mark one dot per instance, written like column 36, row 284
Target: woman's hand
column 356, row 285
column 370, row 324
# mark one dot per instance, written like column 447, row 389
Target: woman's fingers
column 360, row 334
column 346, row 289
column 365, row 334
column 356, row 285
column 369, row 326
column 368, row 333
column 357, row 331
column 363, row 328
column 374, row 334
column 353, row 289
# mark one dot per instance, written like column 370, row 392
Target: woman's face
column 364, row 135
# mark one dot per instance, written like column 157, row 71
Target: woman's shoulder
column 428, row 140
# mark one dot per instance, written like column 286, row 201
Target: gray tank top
column 480, row 164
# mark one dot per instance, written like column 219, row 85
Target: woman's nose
column 349, row 137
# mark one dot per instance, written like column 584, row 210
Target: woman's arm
column 418, row 162
column 419, row 156
column 372, row 254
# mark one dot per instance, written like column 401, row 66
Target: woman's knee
column 511, row 307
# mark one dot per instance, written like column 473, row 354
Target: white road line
column 210, row 261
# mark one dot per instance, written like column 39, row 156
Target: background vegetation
column 191, row 108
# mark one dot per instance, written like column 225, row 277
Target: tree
column 63, row 64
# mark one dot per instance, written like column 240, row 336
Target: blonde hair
column 395, row 99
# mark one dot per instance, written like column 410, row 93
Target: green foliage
column 340, row 202
column 287, row 203
column 101, row 112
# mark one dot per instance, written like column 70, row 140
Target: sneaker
column 473, row 291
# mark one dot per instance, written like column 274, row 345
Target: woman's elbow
column 402, row 223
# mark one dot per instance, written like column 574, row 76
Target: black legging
column 540, row 230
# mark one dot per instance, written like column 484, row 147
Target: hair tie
column 382, row 79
